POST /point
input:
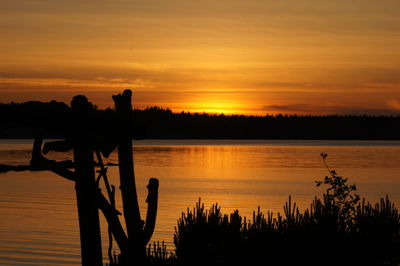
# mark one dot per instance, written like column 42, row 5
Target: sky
column 231, row 56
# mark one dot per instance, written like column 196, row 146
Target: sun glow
column 215, row 104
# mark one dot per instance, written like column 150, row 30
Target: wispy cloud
column 329, row 109
column 394, row 104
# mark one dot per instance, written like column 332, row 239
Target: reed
column 337, row 229
column 316, row 236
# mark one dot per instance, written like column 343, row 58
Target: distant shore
column 53, row 120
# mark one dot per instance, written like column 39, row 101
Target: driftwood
column 85, row 141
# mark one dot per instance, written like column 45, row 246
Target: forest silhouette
column 24, row 120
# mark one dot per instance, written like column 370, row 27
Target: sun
column 215, row 108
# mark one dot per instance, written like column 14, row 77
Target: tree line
column 52, row 120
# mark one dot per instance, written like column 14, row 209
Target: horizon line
column 229, row 114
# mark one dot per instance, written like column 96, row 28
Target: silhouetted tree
column 22, row 120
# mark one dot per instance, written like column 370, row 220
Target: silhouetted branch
column 152, row 200
column 40, row 163
column 4, row 168
column 59, row 146
column 111, row 215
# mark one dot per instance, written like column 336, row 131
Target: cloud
column 394, row 104
column 303, row 108
column 290, row 107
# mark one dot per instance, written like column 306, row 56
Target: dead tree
column 81, row 141
column 86, row 139
column 85, row 184
column 138, row 233
column 40, row 163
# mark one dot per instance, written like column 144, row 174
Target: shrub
column 338, row 229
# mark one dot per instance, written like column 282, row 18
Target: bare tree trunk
column 134, row 224
column 86, row 188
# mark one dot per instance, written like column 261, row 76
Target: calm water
column 38, row 222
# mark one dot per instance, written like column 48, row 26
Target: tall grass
column 338, row 229
column 317, row 236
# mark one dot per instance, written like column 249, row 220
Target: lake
column 39, row 223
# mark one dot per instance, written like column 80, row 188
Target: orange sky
column 232, row 56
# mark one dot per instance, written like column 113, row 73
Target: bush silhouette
column 339, row 229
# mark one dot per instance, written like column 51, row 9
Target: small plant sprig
column 340, row 194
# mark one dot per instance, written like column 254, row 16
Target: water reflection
column 38, row 210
